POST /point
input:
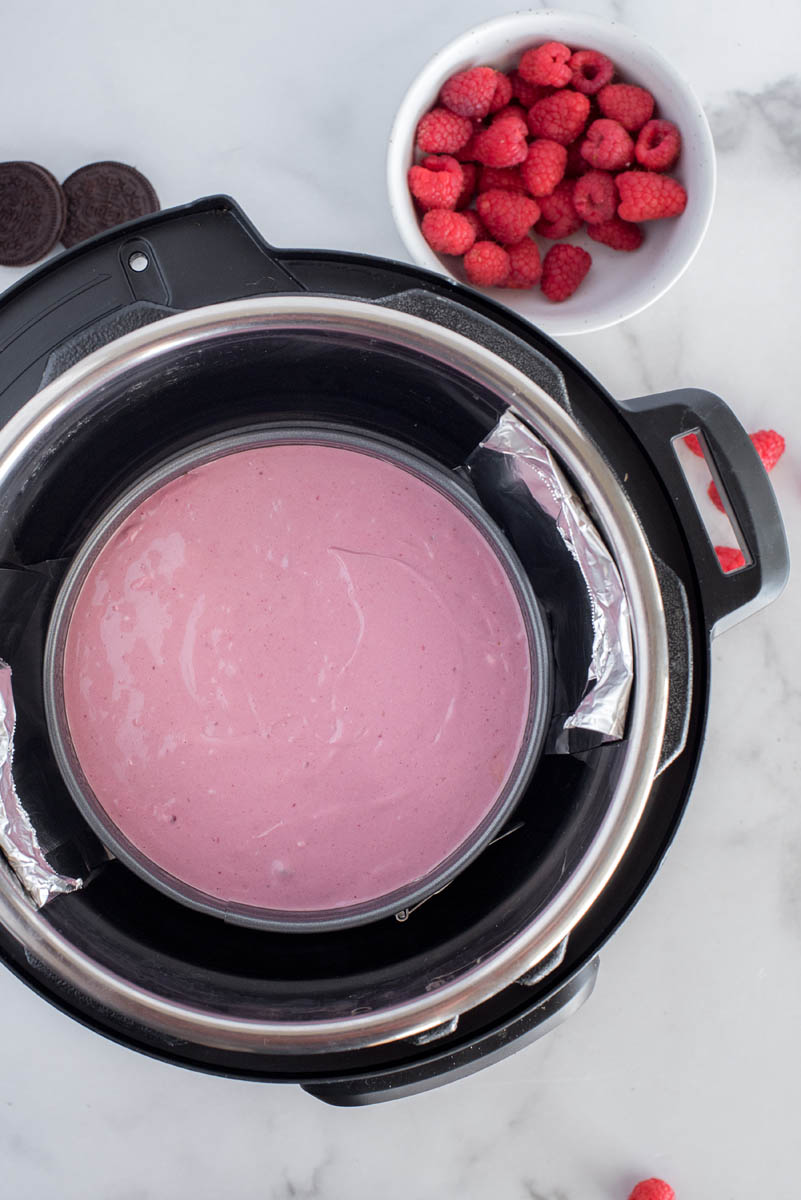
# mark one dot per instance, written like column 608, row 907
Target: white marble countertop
column 684, row 1063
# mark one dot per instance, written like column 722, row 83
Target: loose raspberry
column 563, row 270
column 476, row 224
column 443, row 132
column 769, row 445
column 525, row 265
column 631, row 106
column 470, row 93
column 714, row 496
column 506, row 215
column 619, row 235
column 576, row 162
column 503, row 144
column 590, row 71
column 527, row 93
column 560, row 117
column 607, row 146
column 543, row 166
column 546, row 65
column 447, row 232
column 487, row 264
column 646, row 196
column 469, row 180
column 692, row 443
column 436, row 182
column 559, row 217
column 595, row 197
column 507, row 178
column 658, row 145
column 503, row 92
column 730, row 559
column 653, row 1189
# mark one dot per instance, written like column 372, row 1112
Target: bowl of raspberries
column 557, row 162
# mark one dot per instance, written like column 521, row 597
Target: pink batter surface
column 297, row 677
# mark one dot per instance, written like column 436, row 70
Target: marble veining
column 684, row 1061
column 776, row 106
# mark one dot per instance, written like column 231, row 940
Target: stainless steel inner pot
column 242, row 914
column 88, row 392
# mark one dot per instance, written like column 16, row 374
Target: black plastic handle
column 201, row 253
column 744, row 489
column 449, row 1063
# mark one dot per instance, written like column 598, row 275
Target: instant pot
column 186, row 326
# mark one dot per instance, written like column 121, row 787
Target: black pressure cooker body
column 208, row 254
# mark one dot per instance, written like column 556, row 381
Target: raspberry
column 513, row 115
column 576, row 162
column 658, row 145
column 714, row 496
column 563, row 270
column 646, row 196
column 525, row 266
column 607, row 146
column 543, row 166
column 470, row 93
column 507, row 178
column 527, row 93
column 595, row 197
column 653, row 1189
column 559, row 217
column 487, row 264
column 437, row 182
column 591, row 71
column 469, row 180
column 467, row 153
column 631, row 106
column 476, row 224
column 560, row 117
column 619, row 235
column 512, row 109
column 730, row 559
column 503, row 144
column 448, row 232
column 503, row 92
column 443, row 132
column 769, row 445
column 546, row 65
column 506, row 215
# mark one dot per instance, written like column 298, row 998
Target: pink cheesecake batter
column 297, row 677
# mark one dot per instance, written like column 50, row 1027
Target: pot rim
column 72, row 394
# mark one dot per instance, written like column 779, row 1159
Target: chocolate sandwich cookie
column 32, row 213
column 102, row 195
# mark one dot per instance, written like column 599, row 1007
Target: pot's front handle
column 744, row 489
column 198, row 254
column 457, row 1061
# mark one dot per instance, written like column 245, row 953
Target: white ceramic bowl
column 618, row 285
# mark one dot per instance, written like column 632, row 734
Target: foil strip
column 610, row 671
column 18, row 839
